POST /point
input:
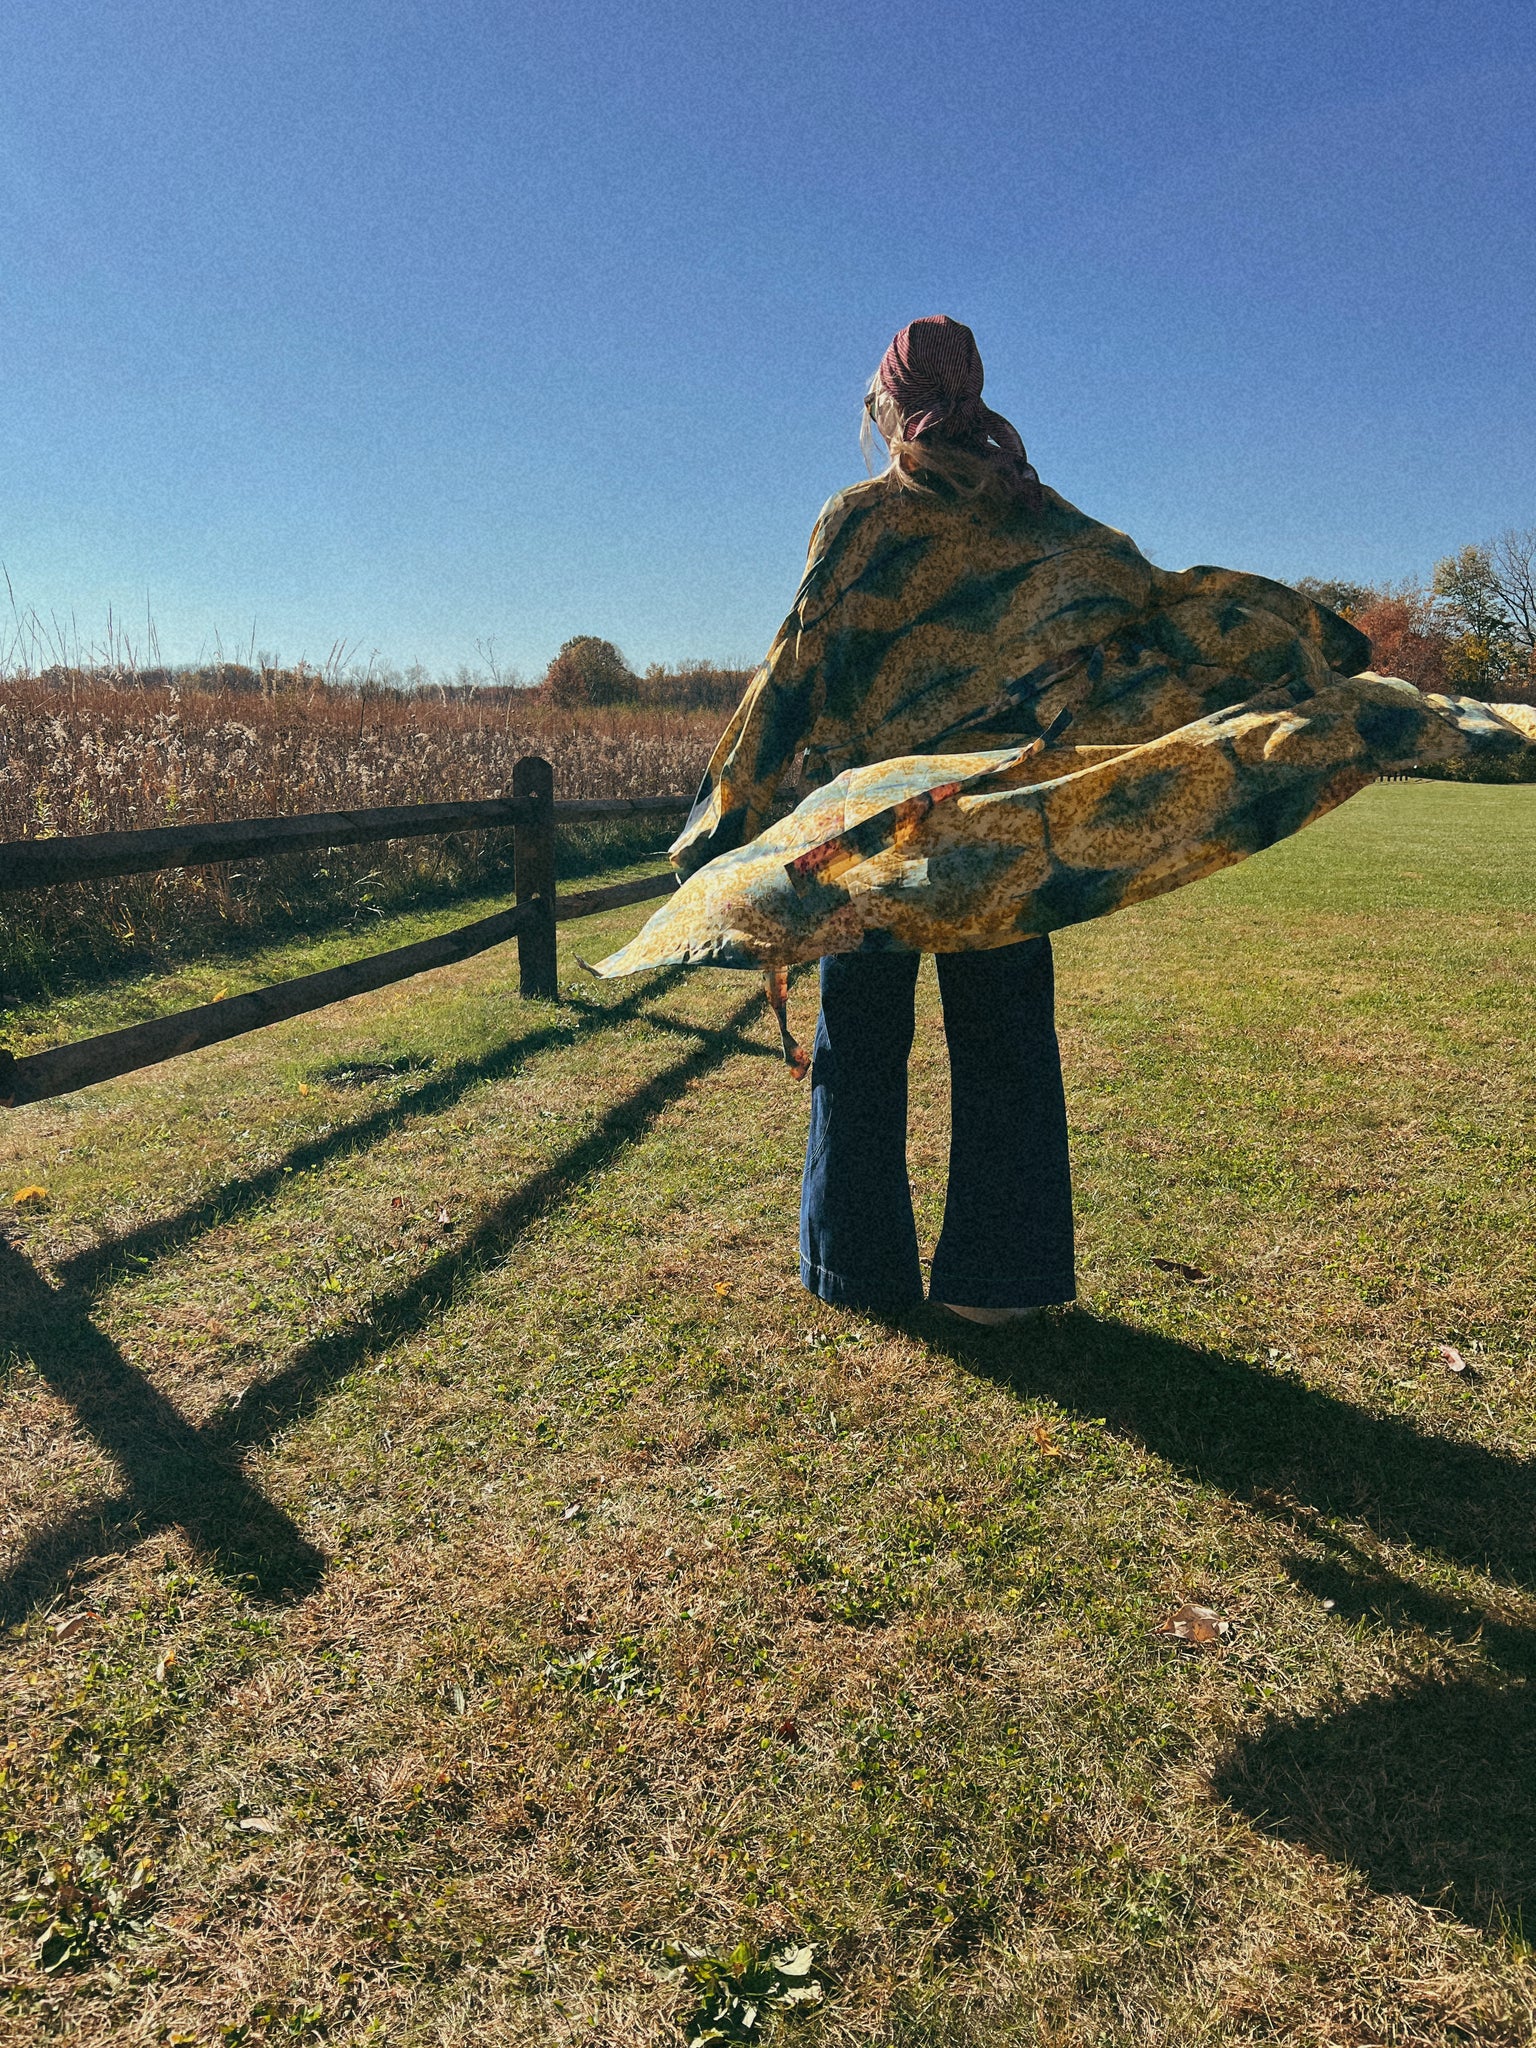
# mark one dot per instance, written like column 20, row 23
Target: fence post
column 533, row 858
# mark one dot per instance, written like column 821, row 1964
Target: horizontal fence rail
column 68, row 1067
column 531, row 811
column 94, row 856
column 587, row 902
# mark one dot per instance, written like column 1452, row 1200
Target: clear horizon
column 419, row 330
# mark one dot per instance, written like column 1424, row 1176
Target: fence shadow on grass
column 190, row 1476
column 1429, row 1789
column 427, row 1097
column 173, row 1471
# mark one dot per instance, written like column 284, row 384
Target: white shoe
column 991, row 1317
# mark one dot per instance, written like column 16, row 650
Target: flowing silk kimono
column 1016, row 723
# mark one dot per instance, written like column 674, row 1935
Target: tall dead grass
column 93, row 750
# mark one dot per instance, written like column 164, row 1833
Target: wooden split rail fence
column 531, row 811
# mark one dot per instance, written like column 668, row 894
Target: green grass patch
column 463, row 1590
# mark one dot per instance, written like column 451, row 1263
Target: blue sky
column 419, row 323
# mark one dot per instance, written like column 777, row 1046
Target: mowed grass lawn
column 453, row 1559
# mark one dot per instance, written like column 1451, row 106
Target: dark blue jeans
column 1007, row 1238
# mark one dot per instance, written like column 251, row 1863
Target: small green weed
column 362, row 1073
column 736, row 1992
column 82, row 1908
column 619, row 1671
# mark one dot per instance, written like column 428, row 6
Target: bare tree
column 1513, row 556
column 1489, row 593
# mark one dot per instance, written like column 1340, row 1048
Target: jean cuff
column 843, row 1292
column 1019, row 1290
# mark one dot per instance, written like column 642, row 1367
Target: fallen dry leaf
column 1192, row 1274
column 1453, row 1357
column 445, row 1219
column 165, row 1666
column 722, row 1287
column 69, row 1625
column 34, row 1195
column 1195, row 1628
column 1045, row 1442
column 258, row 1824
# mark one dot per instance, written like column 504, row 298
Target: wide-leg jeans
column 1007, row 1236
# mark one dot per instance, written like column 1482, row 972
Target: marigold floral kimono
column 1019, row 723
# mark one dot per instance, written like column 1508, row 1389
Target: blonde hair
column 933, row 467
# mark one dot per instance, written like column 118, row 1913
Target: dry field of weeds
column 90, row 752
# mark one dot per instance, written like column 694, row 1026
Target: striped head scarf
column 933, row 371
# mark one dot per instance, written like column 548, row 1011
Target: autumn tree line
column 1471, row 631
column 589, row 673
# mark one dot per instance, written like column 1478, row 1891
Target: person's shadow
column 1429, row 1789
